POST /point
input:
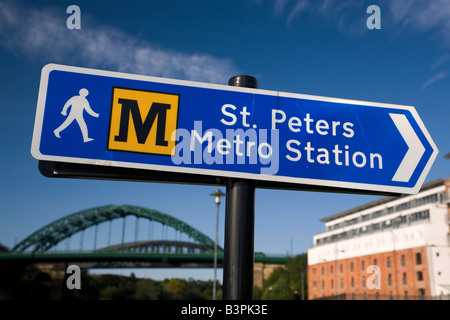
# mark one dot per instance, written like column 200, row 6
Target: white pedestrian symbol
column 79, row 104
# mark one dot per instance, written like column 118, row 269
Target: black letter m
column 143, row 127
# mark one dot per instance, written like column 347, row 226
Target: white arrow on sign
column 415, row 148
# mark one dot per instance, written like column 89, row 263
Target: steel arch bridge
column 196, row 253
column 50, row 235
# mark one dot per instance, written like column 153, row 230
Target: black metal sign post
column 239, row 228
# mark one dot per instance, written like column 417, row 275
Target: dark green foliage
column 287, row 283
column 115, row 287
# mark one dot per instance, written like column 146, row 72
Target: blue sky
column 313, row 47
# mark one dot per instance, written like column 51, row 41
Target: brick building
column 391, row 248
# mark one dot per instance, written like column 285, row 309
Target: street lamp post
column 217, row 194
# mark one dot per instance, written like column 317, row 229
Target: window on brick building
column 332, row 284
column 388, row 262
column 418, row 258
column 404, row 278
column 421, row 294
column 363, row 284
column 340, row 268
column 351, row 266
column 331, row 269
column 352, row 283
column 389, row 279
column 419, row 276
column 403, row 260
column 362, row 266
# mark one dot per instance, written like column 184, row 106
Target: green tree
column 110, row 293
column 178, row 289
column 285, row 283
column 257, row 293
column 147, row 289
column 276, row 287
column 297, row 273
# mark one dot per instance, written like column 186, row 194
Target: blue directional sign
column 113, row 119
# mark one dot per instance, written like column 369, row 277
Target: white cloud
column 439, row 76
column 422, row 15
column 279, row 6
column 349, row 14
column 441, row 61
column 299, row 7
column 400, row 16
column 42, row 34
column 406, row 15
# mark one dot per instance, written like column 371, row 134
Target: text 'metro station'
column 113, row 120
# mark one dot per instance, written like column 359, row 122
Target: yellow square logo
column 143, row 121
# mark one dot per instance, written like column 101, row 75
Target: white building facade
column 404, row 240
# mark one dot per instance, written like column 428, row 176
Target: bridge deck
column 131, row 259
